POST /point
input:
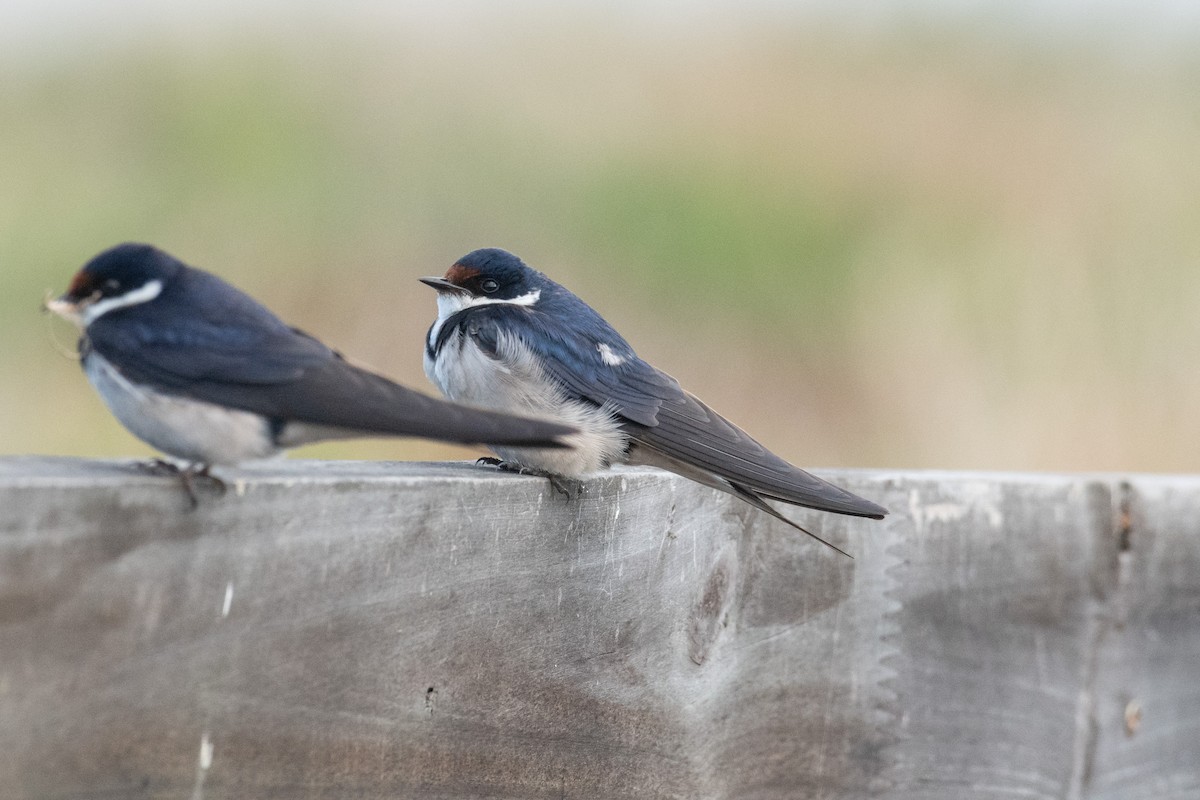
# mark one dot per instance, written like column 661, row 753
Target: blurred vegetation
column 932, row 248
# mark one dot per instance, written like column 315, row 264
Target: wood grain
column 371, row 630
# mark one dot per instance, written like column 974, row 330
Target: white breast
column 514, row 382
column 188, row 429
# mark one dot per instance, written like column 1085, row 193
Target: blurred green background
column 928, row 242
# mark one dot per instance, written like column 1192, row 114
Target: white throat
column 143, row 294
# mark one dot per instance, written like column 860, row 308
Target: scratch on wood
column 1133, row 717
column 1104, row 605
column 202, row 765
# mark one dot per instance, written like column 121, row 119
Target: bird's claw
column 159, row 467
column 568, row 488
column 188, row 476
column 571, row 490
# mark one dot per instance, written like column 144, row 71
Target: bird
column 203, row 373
column 509, row 338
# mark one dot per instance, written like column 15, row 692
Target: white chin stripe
column 450, row 303
column 143, row 294
column 524, row 300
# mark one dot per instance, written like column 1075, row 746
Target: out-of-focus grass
column 920, row 250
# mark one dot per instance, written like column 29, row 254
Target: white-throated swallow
column 202, row 372
column 509, row 338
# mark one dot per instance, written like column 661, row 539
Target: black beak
column 443, row 285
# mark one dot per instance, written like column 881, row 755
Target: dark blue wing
column 567, row 338
column 587, row 357
column 208, row 341
column 691, row 432
column 201, row 329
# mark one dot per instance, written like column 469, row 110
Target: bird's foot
column 203, row 473
column 159, row 467
column 188, row 476
column 568, row 488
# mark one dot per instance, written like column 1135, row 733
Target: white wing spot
column 609, row 357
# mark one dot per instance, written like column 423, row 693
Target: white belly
column 188, row 429
column 515, row 383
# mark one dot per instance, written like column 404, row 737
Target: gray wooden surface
column 364, row 630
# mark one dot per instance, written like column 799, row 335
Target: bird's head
column 490, row 275
column 123, row 276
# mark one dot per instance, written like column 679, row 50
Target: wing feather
column 658, row 413
column 690, row 431
column 231, row 351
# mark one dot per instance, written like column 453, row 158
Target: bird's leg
column 205, row 472
column 187, row 476
column 201, row 472
column 166, row 469
column 157, row 466
column 571, row 490
column 565, row 486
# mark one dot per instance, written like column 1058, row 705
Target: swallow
column 201, row 371
column 509, row 338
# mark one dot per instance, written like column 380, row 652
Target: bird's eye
column 489, row 285
column 111, row 285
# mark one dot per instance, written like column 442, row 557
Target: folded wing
column 593, row 362
column 690, row 431
column 233, row 352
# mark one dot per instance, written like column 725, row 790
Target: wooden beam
column 371, row 630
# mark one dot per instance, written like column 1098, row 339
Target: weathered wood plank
column 438, row 631
column 996, row 594
column 1147, row 710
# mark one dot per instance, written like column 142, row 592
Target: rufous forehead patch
column 82, row 285
column 459, row 275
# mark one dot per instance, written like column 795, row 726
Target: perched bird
column 509, row 338
column 202, row 372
